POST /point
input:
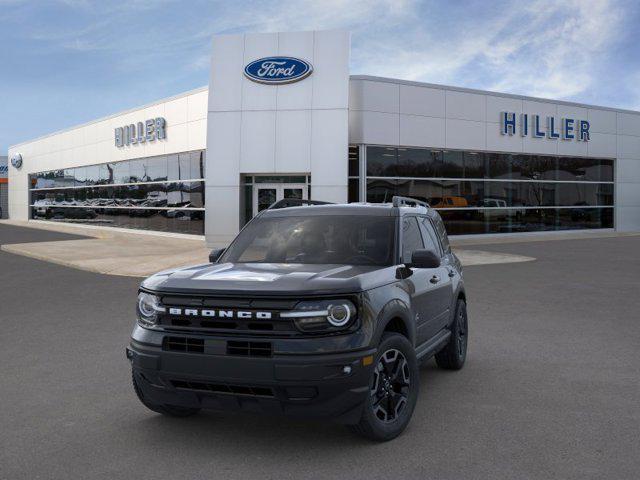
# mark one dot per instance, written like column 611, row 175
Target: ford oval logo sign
column 16, row 160
column 277, row 70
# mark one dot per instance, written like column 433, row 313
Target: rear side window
column 429, row 236
column 411, row 238
column 442, row 233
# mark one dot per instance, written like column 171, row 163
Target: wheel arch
column 396, row 317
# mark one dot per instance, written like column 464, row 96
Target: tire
column 169, row 410
column 454, row 354
column 395, row 378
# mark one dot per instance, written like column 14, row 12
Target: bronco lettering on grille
column 192, row 312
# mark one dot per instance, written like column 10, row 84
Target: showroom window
column 479, row 192
column 164, row 193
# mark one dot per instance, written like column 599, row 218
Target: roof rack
column 398, row 201
column 295, row 202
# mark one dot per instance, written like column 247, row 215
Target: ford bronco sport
column 313, row 310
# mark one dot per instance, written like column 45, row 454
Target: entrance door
column 266, row 194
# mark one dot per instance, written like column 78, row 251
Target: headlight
column 323, row 315
column 148, row 308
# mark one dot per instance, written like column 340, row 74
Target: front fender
column 388, row 305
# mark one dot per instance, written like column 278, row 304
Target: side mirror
column 424, row 259
column 215, row 255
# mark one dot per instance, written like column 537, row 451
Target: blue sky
column 65, row 62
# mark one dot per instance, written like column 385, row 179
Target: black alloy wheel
column 391, row 384
column 454, row 354
column 394, row 387
column 461, row 333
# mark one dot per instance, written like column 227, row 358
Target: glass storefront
column 477, row 192
column 164, row 193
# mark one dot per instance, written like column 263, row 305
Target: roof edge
column 373, row 78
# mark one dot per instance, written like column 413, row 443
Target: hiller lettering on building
column 147, row 131
column 551, row 127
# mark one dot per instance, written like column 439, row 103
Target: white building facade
column 282, row 118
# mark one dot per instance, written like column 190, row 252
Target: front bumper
column 329, row 385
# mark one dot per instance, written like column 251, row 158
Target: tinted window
column 354, row 190
column 442, row 233
column 138, row 171
column 429, row 236
column 184, row 166
column 121, row 172
column 157, row 169
column 350, row 240
column 354, row 161
column 411, row 238
column 197, row 165
column 382, row 161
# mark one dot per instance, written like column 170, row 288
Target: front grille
column 249, row 349
column 274, row 326
column 183, row 344
column 223, row 388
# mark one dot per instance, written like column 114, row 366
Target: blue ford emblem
column 16, row 160
column 277, row 70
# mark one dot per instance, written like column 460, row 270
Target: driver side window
column 411, row 238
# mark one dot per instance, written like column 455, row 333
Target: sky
column 66, row 62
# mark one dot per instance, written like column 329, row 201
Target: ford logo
column 16, row 160
column 278, row 70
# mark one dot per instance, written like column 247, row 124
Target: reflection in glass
column 197, row 165
column 381, row 191
column 180, row 221
column 266, row 197
column 418, row 162
column 121, row 172
column 354, row 190
column 94, row 199
column 157, row 169
column 381, row 161
column 354, row 161
column 138, row 171
column 546, row 192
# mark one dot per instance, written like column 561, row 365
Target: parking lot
column 551, row 388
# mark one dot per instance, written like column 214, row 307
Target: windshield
column 343, row 239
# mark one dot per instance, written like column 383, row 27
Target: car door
column 422, row 285
column 441, row 279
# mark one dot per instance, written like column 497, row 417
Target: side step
column 430, row 348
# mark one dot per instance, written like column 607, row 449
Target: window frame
column 433, row 234
column 401, row 231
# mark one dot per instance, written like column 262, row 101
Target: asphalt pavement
column 551, row 389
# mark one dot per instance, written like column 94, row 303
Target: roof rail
column 407, row 201
column 294, row 202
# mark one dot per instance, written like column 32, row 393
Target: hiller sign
column 147, row 131
column 551, row 128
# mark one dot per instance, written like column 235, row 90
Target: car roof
column 373, row 209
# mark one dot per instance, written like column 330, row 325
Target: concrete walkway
column 112, row 251
column 136, row 253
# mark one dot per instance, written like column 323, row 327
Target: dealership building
column 283, row 118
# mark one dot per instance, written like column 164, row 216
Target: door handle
column 435, row 279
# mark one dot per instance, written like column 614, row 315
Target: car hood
column 270, row 278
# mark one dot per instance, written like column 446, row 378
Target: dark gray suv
column 314, row 310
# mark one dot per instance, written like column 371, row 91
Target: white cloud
column 542, row 47
column 558, row 48
column 546, row 49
